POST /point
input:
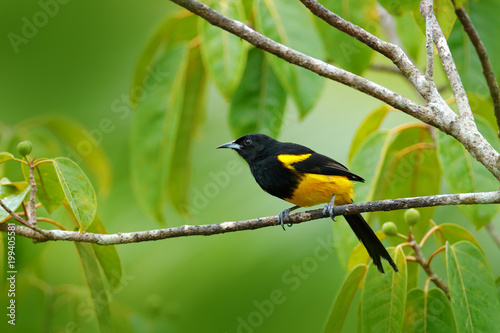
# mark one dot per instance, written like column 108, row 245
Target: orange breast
column 315, row 189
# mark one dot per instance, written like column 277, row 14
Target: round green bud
column 390, row 228
column 24, row 148
column 412, row 216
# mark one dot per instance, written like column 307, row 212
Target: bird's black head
column 251, row 146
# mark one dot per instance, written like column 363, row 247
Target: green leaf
column 4, row 157
column 344, row 50
column 78, row 191
column 398, row 7
column 384, row 295
column 453, row 233
column 193, row 106
column 484, row 16
column 49, row 190
column 411, row 168
column 366, row 163
column 97, row 288
column 344, row 298
column 154, row 129
column 428, row 312
column 12, row 195
column 80, row 144
column 482, row 106
column 279, row 20
column 445, row 14
column 107, row 255
column 258, row 104
column 182, row 26
column 472, row 288
column 359, row 255
column 224, row 54
column 465, row 174
column 410, row 35
column 369, row 125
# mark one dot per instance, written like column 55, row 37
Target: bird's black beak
column 231, row 144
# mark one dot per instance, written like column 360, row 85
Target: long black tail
column 371, row 242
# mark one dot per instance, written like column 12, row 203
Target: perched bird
column 305, row 178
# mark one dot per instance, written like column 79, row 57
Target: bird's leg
column 329, row 208
column 285, row 215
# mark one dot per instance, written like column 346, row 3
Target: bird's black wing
column 324, row 165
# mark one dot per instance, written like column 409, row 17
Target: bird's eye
column 247, row 142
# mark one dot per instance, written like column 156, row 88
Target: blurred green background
column 80, row 63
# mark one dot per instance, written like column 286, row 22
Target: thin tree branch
column 437, row 113
column 495, row 235
column 483, row 58
column 31, row 212
column 448, row 63
column 419, row 256
column 257, row 223
column 426, row 11
column 317, row 66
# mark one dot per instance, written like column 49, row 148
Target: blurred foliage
column 189, row 74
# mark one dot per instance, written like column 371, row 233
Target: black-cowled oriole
column 305, row 178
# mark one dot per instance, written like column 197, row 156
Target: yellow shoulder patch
column 289, row 159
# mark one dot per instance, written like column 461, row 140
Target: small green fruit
column 412, row 216
column 390, row 228
column 24, row 148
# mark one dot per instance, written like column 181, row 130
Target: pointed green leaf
column 344, row 50
column 366, row 163
column 453, row 233
column 224, row 54
column 279, row 20
column 78, row 191
column 359, row 255
column 97, row 288
column 445, row 14
column 107, row 255
column 411, row 37
column 483, row 107
column 472, row 288
column 384, row 296
column 80, row 144
column 369, row 125
column 49, row 190
column 411, row 168
column 12, row 195
column 193, row 106
column 4, row 157
column 398, row 7
column 344, row 298
column 428, row 312
column 259, row 102
column 465, row 174
column 154, row 129
column 484, row 16
column 181, row 26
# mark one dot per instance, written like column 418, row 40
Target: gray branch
column 252, row 224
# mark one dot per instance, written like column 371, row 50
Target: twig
column 317, row 66
column 252, row 224
column 449, row 65
column 419, row 256
column 483, row 58
column 17, row 218
column 32, row 202
column 495, row 235
column 426, row 11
